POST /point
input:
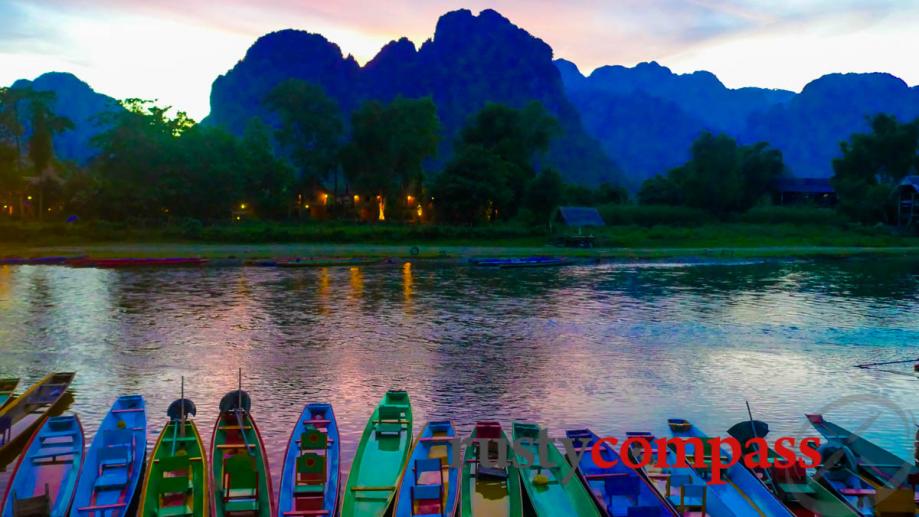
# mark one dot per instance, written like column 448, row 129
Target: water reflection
column 614, row 347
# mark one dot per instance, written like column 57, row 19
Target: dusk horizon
column 738, row 44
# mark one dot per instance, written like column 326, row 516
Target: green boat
column 490, row 489
column 544, row 479
column 240, row 475
column 177, row 482
column 380, row 458
column 6, row 390
column 802, row 494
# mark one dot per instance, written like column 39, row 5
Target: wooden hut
column 907, row 194
column 579, row 217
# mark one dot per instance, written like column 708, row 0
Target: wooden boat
column 115, row 462
column 137, row 262
column 240, row 474
column 6, row 390
column 380, row 458
column 176, row 482
column 617, row 490
column 490, row 489
column 430, row 485
column 326, row 261
column 311, row 478
column 518, row 262
column 544, row 478
column 803, row 495
column 20, row 417
column 45, row 475
column 686, row 490
column 742, row 489
column 871, row 479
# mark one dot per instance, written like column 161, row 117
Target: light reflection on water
column 615, row 347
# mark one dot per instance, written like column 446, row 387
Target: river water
column 615, row 347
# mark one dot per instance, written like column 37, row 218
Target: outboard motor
column 837, row 460
column 175, row 410
column 236, row 399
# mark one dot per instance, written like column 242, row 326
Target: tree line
column 381, row 163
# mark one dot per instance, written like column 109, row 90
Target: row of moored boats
column 397, row 473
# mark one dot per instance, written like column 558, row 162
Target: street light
column 242, row 206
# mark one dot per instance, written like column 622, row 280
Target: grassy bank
column 649, row 233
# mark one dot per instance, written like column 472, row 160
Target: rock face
column 470, row 61
column 646, row 117
column 78, row 102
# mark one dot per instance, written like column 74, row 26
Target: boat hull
column 109, row 487
column 236, row 433
column 50, row 466
column 380, row 458
column 434, row 442
column 26, row 412
column 173, row 443
column 494, row 491
column 321, row 417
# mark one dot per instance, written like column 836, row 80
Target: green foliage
column 473, row 187
column 389, row 144
column 310, row 131
column 871, row 164
column 493, row 164
column 722, row 177
column 154, row 166
column 543, row 195
column 653, row 215
column 769, row 214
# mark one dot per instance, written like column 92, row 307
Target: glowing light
column 419, row 211
column 307, row 207
column 357, row 199
column 29, row 198
column 242, row 206
column 382, row 215
column 324, row 197
column 410, row 199
column 238, row 218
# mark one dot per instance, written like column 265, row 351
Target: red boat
column 137, row 262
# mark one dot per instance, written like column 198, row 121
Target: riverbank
column 623, row 242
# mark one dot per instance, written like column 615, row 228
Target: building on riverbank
column 794, row 191
column 907, row 194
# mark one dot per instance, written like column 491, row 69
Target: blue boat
column 114, row 462
column 742, row 489
column 686, row 490
column 45, row 476
column 311, row 477
column 430, row 483
column 619, row 491
column 518, row 262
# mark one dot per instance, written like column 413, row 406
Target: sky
column 172, row 50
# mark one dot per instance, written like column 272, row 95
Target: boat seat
column 858, row 492
column 796, row 488
column 389, row 420
column 241, row 482
column 428, row 496
column 311, row 474
column 236, row 446
column 55, row 454
column 623, row 486
column 645, row 511
column 46, row 394
column 112, row 478
column 179, row 510
column 313, row 439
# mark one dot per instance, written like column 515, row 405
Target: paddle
column 755, row 435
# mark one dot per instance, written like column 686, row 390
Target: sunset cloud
column 173, row 49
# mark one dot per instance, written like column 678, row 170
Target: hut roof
column 579, row 216
column 909, row 182
column 805, row 185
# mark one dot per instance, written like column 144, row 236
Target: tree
column 871, row 164
column 138, row 168
column 721, row 177
column 310, row 131
column 516, row 136
column 388, row 147
column 543, row 195
column 44, row 125
column 267, row 180
column 472, row 187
